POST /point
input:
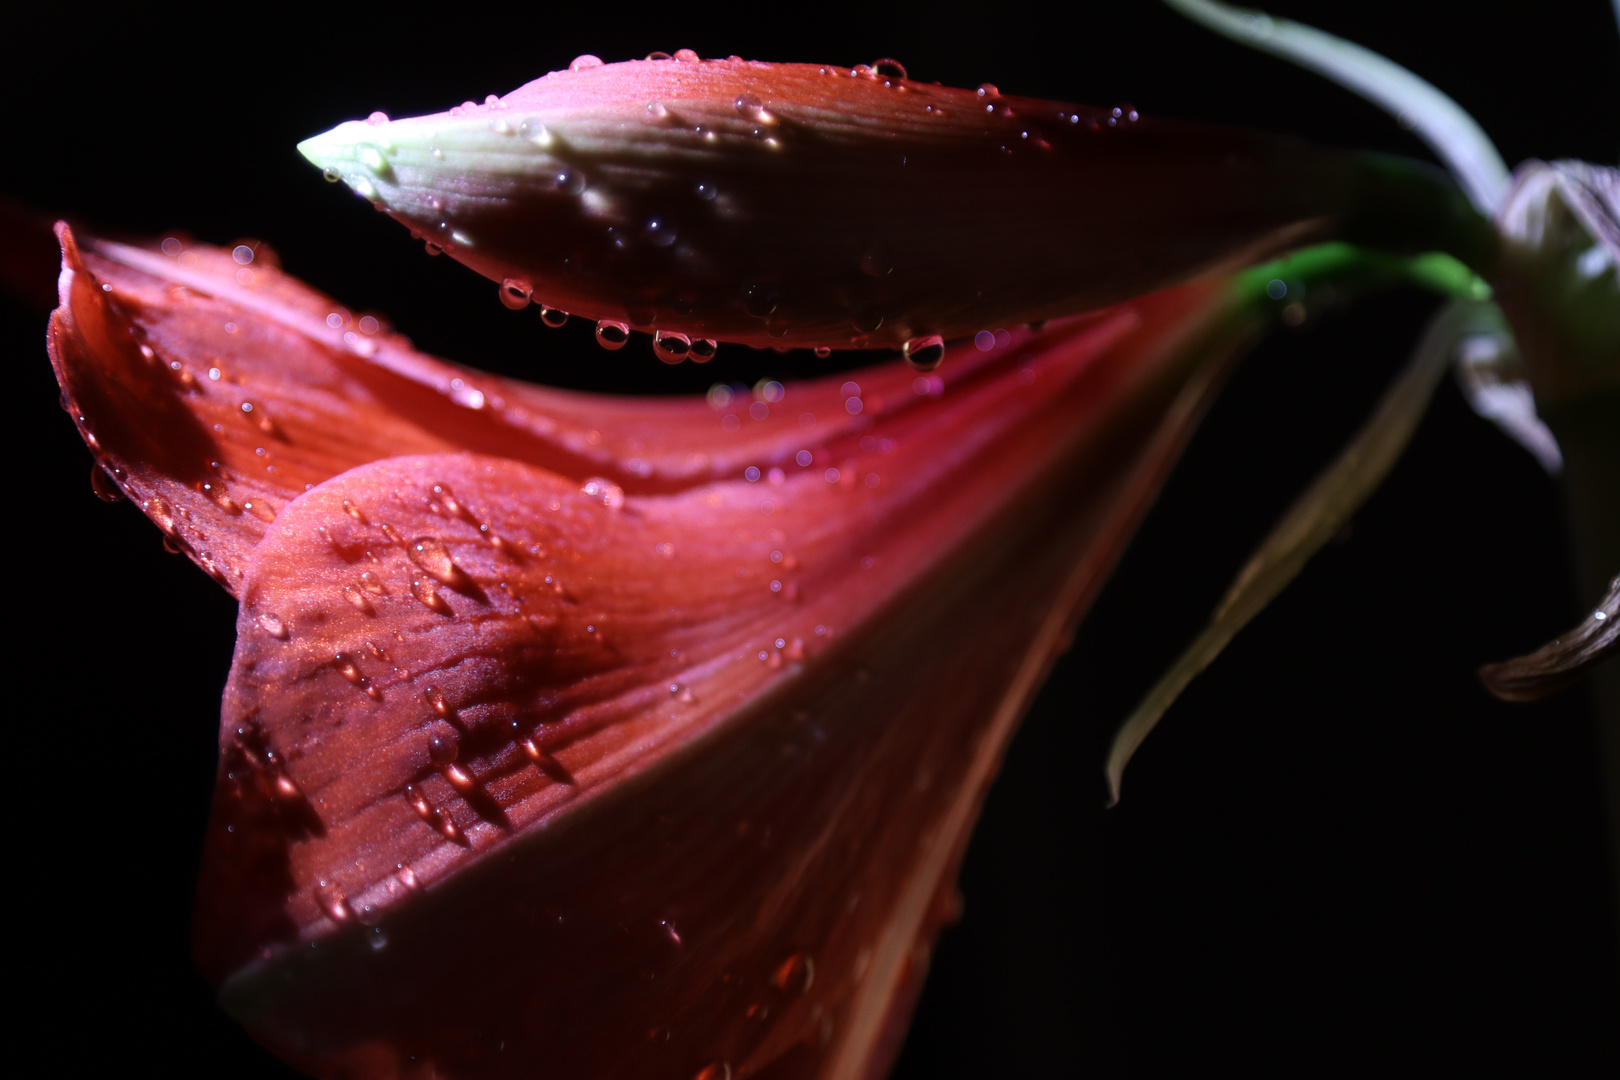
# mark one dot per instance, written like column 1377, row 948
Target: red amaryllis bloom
column 612, row 737
column 1223, row 837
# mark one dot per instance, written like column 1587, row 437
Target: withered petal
column 1562, row 661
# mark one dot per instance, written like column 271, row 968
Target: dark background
column 1337, row 854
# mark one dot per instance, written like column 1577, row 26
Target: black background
column 1336, row 854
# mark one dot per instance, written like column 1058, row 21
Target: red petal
column 650, row 891
column 791, row 204
column 158, row 354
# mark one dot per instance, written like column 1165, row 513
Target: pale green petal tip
column 355, row 153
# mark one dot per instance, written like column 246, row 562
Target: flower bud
column 798, row 205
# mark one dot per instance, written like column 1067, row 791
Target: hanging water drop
column 612, row 334
column 671, row 347
column 103, row 485
column 515, row 293
column 703, row 350
column 925, row 353
column 553, row 317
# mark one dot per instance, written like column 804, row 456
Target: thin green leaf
column 1451, row 133
column 1319, row 513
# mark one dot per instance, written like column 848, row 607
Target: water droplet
column 162, row 514
column 988, row 90
column 659, row 231
column 260, row 509
column 431, row 554
column 216, row 493
column 460, row 779
column 612, row 334
column 925, row 353
column 358, row 600
column 333, row 902
column 656, row 111
column 373, row 584
column 582, row 63
column 749, row 105
column 377, row 118
column 272, row 624
column 822, row 352
column 553, row 317
column 436, row 701
column 443, row 749
column 407, row 877
column 104, row 486
column 657, row 55
column 759, row 300
column 571, row 181
column 606, row 492
column 432, row 248
column 377, row 939
column 686, row 56
column 703, row 350
column 707, row 192
column 796, row 973
column 354, row 511
column 424, row 591
column 866, row 320
column 670, row 347
column 515, row 293
column 329, row 174
column 714, row 1070
column 889, row 67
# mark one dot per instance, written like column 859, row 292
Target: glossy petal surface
column 526, row 769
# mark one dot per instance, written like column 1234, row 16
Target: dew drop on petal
column 423, row 590
column 581, row 63
column 103, row 485
column 612, row 334
column 659, row 231
column 515, row 293
column 606, row 492
column 273, row 624
column 431, row 554
column 671, row 347
column 925, row 353
column 889, row 68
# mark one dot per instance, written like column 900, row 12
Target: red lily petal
column 791, row 204
column 160, row 356
column 804, row 810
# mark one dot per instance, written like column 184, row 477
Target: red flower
column 620, row 737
